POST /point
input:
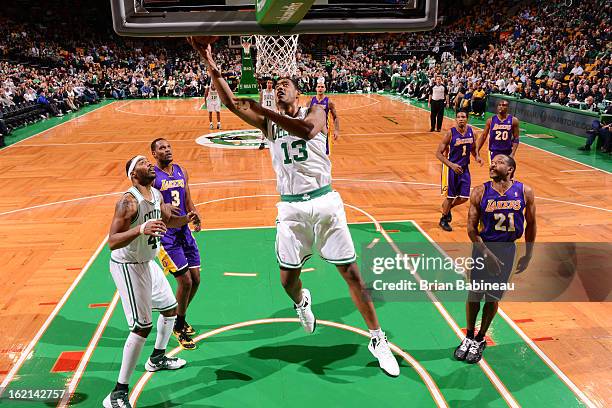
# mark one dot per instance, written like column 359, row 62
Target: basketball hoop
column 276, row 55
column 246, row 42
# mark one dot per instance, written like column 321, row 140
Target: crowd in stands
column 548, row 52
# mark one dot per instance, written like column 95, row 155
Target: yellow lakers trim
column 498, row 126
column 493, row 205
column 462, row 141
column 167, row 184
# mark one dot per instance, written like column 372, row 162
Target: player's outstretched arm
column 121, row 234
column 306, row 128
column 515, row 135
column 441, row 149
column 202, row 46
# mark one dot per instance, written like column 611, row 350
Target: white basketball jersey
column 143, row 248
column 213, row 95
column 268, row 99
column 301, row 166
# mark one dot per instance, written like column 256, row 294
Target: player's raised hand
column 155, row 228
column 202, row 45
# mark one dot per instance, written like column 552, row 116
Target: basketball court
column 251, row 350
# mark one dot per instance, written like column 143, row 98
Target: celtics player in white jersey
column 140, row 219
column 213, row 104
column 267, row 96
column 310, row 212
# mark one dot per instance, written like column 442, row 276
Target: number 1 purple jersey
column 460, row 147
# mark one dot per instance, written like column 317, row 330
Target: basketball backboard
column 180, row 18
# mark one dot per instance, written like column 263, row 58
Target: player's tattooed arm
column 120, row 234
column 440, row 153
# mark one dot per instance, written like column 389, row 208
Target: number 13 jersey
column 301, row 166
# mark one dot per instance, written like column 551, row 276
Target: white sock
column 164, row 330
column 302, row 302
column 377, row 333
column 131, row 352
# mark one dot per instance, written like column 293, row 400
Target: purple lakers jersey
column 500, row 135
column 172, row 186
column 324, row 102
column 460, row 147
column 502, row 217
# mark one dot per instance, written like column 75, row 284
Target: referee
column 438, row 99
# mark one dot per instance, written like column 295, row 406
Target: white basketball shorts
column 213, row 105
column 142, row 288
column 320, row 222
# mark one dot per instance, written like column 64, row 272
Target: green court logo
column 232, row 139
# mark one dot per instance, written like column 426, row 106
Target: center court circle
column 232, row 139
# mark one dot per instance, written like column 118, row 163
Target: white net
column 276, row 55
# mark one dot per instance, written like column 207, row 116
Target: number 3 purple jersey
column 502, row 217
column 178, row 243
column 172, row 186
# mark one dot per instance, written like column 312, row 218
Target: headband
column 132, row 165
